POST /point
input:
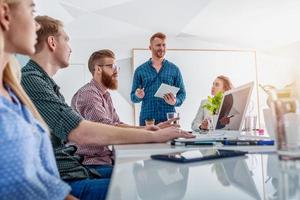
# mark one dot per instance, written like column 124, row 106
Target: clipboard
column 165, row 89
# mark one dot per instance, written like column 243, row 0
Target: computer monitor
column 233, row 108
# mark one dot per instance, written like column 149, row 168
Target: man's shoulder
column 28, row 70
column 171, row 64
column 87, row 88
column 87, row 91
column 142, row 66
column 30, row 73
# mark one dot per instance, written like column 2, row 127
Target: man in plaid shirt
column 149, row 76
column 93, row 102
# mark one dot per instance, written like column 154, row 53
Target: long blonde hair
column 10, row 78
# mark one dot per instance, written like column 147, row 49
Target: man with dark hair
column 149, row 76
column 65, row 124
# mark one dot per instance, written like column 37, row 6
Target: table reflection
column 236, row 173
column 289, row 180
column 284, row 176
column 169, row 181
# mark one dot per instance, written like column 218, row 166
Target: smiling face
column 158, row 47
column 20, row 34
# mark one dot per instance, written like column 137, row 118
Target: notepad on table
column 165, row 89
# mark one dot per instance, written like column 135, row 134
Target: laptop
column 230, row 116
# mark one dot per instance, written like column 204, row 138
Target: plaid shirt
column 60, row 118
column 145, row 76
column 93, row 102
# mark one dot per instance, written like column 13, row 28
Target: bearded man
column 94, row 103
column 149, row 76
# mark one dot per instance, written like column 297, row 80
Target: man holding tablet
column 149, row 76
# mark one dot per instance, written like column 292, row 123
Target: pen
column 204, row 143
column 200, row 143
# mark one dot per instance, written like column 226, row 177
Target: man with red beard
column 93, row 102
column 149, row 76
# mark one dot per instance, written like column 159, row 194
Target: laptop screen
column 233, row 107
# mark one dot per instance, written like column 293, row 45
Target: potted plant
column 213, row 105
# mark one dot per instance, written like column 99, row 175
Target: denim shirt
column 28, row 168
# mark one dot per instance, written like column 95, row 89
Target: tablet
column 165, row 89
column 197, row 155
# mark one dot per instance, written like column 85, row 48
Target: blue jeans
column 90, row 189
column 104, row 170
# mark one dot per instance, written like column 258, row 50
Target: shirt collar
column 102, row 89
column 150, row 61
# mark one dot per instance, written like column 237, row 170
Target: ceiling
column 248, row 23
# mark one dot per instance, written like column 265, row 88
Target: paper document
column 165, row 89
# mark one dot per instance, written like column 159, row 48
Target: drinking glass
column 150, row 122
column 171, row 115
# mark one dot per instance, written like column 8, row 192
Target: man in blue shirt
column 149, row 76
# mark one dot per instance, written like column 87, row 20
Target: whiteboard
column 199, row 68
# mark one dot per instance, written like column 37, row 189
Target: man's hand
column 140, row 93
column 170, row 99
column 162, row 125
column 168, row 123
column 152, row 128
column 167, row 134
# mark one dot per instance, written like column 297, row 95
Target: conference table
column 258, row 175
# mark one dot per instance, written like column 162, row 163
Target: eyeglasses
column 111, row 66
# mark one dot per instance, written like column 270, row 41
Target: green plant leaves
column 213, row 103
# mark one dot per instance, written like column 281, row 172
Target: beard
column 109, row 81
column 160, row 54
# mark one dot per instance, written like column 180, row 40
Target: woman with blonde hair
column 28, row 168
column 220, row 84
